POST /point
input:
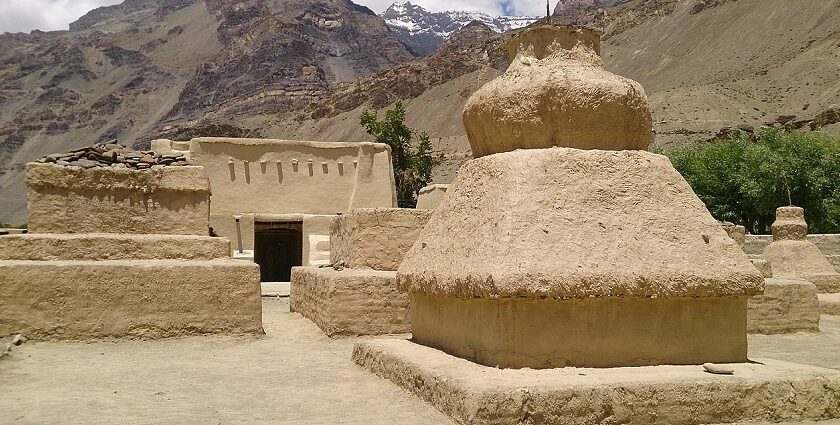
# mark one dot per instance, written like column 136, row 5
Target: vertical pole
column 238, row 235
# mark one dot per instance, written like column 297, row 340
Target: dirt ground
column 292, row 375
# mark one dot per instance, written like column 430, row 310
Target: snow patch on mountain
column 424, row 31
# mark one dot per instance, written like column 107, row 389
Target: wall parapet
column 162, row 200
column 274, row 176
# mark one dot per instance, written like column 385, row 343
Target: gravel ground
column 293, row 375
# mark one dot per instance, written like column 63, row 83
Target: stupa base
column 771, row 391
column 590, row 332
column 787, row 306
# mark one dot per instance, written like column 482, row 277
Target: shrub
column 744, row 181
column 412, row 165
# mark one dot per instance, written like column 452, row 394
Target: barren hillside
column 307, row 68
column 133, row 70
column 706, row 65
column 732, row 62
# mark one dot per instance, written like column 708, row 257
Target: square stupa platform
column 350, row 302
column 762, row 390
column 360, row 295
column 86, row 286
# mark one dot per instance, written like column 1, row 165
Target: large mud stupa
column 570, row 276
column 574, row 249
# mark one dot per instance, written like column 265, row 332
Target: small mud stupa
column 793, row 256
column 565, row 243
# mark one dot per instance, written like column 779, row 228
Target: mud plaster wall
column 128, row 298
column 314, row 228
column 267, row 176
column 829, row 245
column 164, row 200
column 350, row 302
column 593, row 332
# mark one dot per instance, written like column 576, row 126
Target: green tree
column 744, row 181
column 412, row 162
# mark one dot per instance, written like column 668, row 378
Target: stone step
column 275, row 289
column 829, row 304
column 111, row 246
column 81, row 300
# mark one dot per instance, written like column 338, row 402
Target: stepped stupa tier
column 556, row 93
column 566, row 244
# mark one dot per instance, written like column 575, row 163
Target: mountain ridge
column 305, row 69
column 127, row 71
column 424, row 31
column 571, row 7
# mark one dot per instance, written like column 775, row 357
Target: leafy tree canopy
column 744, row 181
column 412, row 159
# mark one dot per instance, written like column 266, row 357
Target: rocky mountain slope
column 707, row 66
column 305, row 69
column 574, row 7
column 133, row 70
column 424, row 31
column 712, row 64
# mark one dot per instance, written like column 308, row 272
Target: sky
column 50, row 15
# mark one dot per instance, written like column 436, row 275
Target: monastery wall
column 269, row 180
column 267, row 176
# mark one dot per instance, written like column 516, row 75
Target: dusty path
column 293, row 375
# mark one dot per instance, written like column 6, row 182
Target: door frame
column 268, row 226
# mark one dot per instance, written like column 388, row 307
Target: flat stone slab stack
column 122, row 253
column 572, row 277
column 114, row 155
column 357, row 294
column 793, row 256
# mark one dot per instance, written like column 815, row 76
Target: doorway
column 278, row 246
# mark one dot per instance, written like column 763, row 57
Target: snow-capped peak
column 403, row 14
column 424, row 30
